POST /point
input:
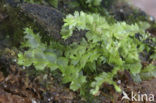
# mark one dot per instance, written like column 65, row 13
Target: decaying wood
column 51, row 20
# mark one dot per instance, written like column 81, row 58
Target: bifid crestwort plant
column 113, row 44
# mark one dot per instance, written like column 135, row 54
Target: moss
column 15, row 23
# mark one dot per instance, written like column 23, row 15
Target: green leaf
column 51, row 57
column 117, row 88
column 62, row 61
column 53, row 66
column 53, row 3
column 77, row 83
column 135, row 68
column 148, row 72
